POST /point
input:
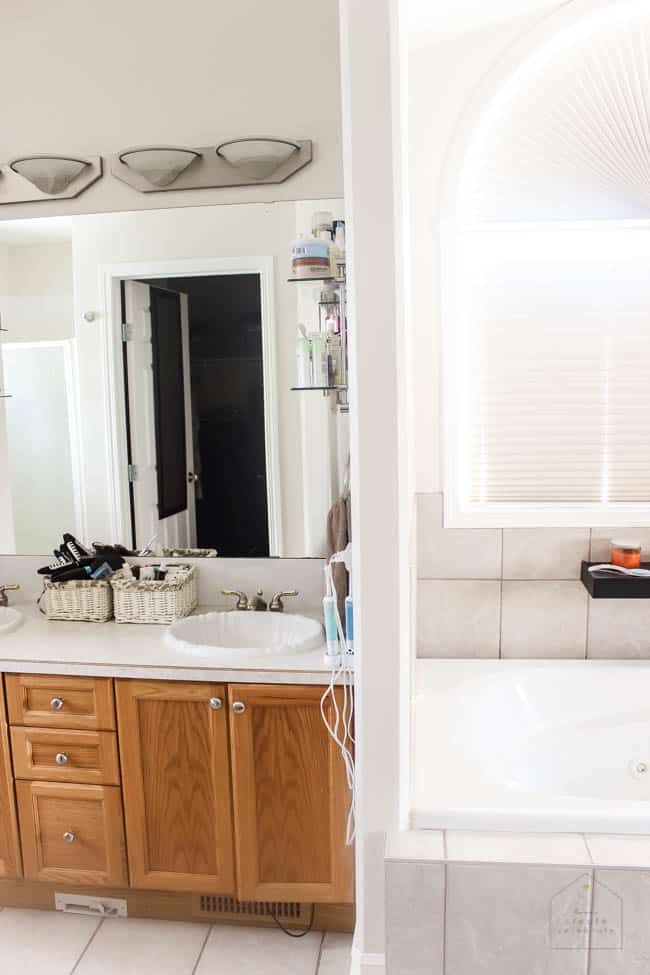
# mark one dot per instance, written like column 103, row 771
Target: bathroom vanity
column 221, row 794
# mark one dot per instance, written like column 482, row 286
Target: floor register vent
column 229, row 908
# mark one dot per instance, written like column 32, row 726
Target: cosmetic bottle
column 319, row 369
column 334, row 359
column 303, row 358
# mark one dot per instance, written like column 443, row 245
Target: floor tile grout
column 205, row 941
column 88, row 944
column 320, row 953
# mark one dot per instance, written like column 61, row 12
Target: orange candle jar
column 626, row 553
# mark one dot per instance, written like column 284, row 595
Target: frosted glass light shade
column 49, row 174
column 159, row 166
column 257, row 158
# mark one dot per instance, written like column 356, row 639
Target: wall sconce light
column 159, row 165
column 257, row 158
column 63, row 177
column 238, row 162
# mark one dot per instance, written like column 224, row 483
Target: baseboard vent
column 95, row 906
column 230, row 909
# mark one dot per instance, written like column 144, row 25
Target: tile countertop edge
column 136, row 651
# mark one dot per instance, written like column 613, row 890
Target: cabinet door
column 290, row 797
column 176, row 785
column 72, row 834
column 9, row 844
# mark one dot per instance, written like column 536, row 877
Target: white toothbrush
column 621, row 570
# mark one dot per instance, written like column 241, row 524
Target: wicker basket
column 87, row 600
column 148, row 601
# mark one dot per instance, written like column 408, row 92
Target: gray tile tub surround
column 458, row 618
column 454, row 553
column 415, row 913
column 510, row 919
column 544, row 619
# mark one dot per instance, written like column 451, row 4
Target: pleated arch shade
column 567, row 135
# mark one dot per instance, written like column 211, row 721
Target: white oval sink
column 10, row 619
column 240, row 635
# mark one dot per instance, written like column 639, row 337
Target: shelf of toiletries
column 322, row 348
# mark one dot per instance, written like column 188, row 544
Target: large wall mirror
column 147, row 361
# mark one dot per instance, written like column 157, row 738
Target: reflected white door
column 179, row 529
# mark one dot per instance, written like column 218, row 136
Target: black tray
column 615, row 586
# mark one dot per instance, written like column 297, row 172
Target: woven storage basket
column 87, row 600
column 148, row 601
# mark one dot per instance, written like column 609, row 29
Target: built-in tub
column 532, row 746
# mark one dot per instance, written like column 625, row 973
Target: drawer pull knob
column 239, row 707
column 69, row 837
column 56, row 703
column 61, row 758
column 216, row 703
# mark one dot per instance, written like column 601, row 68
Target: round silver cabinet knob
column 69, row 837
column 216, row 703
column 61, row 758
column 56, row 703
column 238, row 707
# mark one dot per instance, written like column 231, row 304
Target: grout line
column 320, row 953
column 586, row 842
column 200, row 955
column 445, row 880
column 88, row 944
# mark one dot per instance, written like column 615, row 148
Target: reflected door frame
column 110, row 278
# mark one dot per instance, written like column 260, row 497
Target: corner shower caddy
column 339, row 391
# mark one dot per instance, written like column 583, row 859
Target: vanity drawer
column 65, row 756
column 85, row 703
column 72, row 834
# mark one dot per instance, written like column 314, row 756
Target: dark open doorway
column 227, row 385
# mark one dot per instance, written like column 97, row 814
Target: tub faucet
column 3, row 594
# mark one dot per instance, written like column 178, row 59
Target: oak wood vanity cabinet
column 190, row 775
column 234, row 790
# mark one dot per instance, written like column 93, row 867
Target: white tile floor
column 68, row 944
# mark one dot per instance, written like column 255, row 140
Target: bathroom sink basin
column 238, row 636
column 10, row 619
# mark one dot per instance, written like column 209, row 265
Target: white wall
column 36, row 291
column 178, row 234
column 94, row 78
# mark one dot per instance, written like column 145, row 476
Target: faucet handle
column 277, row 606
column 242, row 598
column 3, row 593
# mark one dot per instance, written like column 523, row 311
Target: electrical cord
column 297, row 934
column 340, row 729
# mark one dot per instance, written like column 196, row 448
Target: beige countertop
column 39, row 646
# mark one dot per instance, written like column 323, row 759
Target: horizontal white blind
column 555, row 366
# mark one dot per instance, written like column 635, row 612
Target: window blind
column 553, row 362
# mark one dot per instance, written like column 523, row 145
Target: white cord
column 340, row 730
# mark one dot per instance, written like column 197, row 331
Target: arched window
column 546, row 300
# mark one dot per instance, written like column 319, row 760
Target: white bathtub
column 532, row 746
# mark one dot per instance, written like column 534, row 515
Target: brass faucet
column 244, row 604
column 258, row 604
column 3, row 594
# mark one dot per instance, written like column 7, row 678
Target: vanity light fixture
column 49, row 174
column 257, row 158
column 237, row 162
column 28, row 179
column 159, row 165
